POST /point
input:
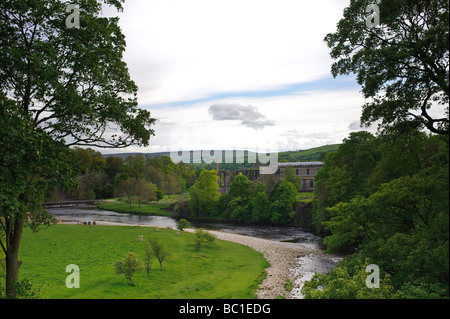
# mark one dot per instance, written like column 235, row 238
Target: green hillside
column 310, row 155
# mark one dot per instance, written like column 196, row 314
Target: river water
column 306, row 267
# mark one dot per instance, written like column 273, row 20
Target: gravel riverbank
column 283, row 258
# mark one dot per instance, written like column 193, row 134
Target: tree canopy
column 60, row 86
column 70, row 82
column 402, row 64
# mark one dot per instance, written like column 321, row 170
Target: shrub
column 202, row 237
column 182, row 224
column 129, row 266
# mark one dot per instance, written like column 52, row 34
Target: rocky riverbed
column 288, row 261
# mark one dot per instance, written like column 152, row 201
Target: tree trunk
column 13, row 236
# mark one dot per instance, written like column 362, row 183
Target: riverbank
column 283, row 258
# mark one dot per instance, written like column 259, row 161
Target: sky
column 245, row 74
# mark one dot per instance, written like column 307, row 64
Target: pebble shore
column 282, row 256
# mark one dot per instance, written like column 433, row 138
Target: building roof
column 300, row 164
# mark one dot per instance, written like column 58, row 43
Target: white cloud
column 302, row 121
column 182, row 50
column 248, row 115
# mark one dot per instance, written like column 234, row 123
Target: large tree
column 61, row 85
column 204, row 193
column 402, row 64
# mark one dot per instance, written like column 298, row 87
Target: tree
column 171, row 184
column 240, row 187
column 113, row 165
column 148, row 259
column 289, row 175
column 260, row 204
column 159, row 251
column 182, row 224
column 202, row 237
column 204, row 193
column 402, row 64
column 153, row 175
column 92, row 185
column 340, row 284
column 126, row 188
column 188, row 173
column 70, row 86
column 144, row 191
column 345, row 173
column 270, row 180
column 241, row 192
column 30, row 164
column 283, row 202
column 129, row 266
column 402, row 227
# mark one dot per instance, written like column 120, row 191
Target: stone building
column 306, row 170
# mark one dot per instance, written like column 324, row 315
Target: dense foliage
column 384, row 200
column 142, row 177
column 59, row 86
column 247, row 200
column 387, row 203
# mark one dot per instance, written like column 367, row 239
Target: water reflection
column 82, row 214
column 74, row 215
column 284, row 234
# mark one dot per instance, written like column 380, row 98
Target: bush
column 180, row 208
column 159, row 251
column 183, row 223
column 129, row 266
column 203, row 237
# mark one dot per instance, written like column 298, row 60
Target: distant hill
column 125, row 155
column 309, row 155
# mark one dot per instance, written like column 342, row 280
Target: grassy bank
column 159, row 209
column 221, row 270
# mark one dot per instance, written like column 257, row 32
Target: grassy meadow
column 220, row 270
column 145, row 209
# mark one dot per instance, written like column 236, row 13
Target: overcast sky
column 234, row 74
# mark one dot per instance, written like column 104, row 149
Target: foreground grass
column 221, row 270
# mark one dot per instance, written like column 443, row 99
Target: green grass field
column 221, row 270
column 145, row 209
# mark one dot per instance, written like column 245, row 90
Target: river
column 306, row 266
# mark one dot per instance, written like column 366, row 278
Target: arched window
column 311, row 183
